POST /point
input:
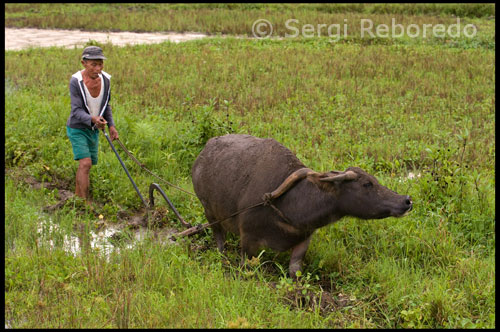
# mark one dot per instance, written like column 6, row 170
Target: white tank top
column 94, row 103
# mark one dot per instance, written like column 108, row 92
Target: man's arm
column 78, row 112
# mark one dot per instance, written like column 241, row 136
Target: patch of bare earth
column 314, row 299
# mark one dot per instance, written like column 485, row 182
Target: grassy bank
column 392, row 109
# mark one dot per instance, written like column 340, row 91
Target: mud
column 130, row 228
column 314, row 299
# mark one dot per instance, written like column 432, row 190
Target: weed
column 300, row 292
column 413, row 318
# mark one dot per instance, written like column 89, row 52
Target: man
column 90, row 95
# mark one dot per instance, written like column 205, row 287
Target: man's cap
column 93, row 53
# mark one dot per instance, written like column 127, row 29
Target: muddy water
column 103, row 240
column 104, row 236
column 17, row 39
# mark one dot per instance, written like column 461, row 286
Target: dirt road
column 17, row 39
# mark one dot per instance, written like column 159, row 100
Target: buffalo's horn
column 349, row 175
column 290, row 181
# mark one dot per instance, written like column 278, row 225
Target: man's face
column 93, row 67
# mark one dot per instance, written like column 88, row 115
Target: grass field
column 394, row 107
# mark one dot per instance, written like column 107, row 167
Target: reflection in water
column 106, row 240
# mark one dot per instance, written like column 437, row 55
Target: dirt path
column 17, row 39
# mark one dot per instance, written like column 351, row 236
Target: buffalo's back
column 234, row 171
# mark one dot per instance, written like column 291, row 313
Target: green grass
column 390, row 107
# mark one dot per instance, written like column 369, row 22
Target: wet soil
column 156, row 219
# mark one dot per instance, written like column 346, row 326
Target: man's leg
column 82, row 178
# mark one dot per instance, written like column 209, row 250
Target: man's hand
column 99, row 121
column 113, row 134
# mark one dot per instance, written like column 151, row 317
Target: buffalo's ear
column 340, row 176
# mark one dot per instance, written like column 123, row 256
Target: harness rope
column 147, row 170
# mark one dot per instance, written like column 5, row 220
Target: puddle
column 99, row 235
column 108, row 239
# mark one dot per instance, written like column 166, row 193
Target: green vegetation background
column 392, row 107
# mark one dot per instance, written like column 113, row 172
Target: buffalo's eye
column 368, row 185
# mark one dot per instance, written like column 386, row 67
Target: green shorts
column 85, row 143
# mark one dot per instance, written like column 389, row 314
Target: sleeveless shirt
column 94, row 103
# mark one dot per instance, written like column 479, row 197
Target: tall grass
column 392, row 109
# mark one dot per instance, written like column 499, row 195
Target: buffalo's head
column 359, row 194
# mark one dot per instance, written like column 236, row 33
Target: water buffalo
column 234, row 172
